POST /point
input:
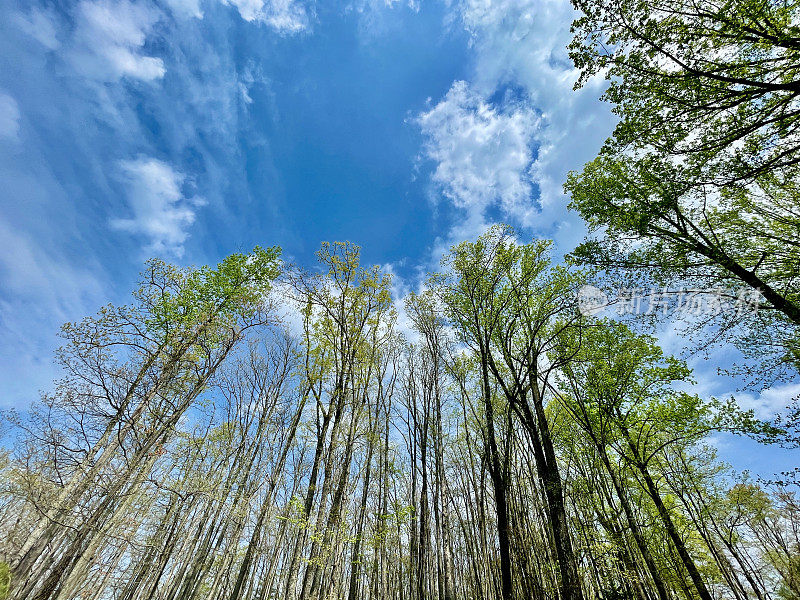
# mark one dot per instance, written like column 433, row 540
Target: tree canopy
column 697, row 187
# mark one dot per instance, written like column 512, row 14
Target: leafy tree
column 697, row 187
column 514, row 449
column 620, row 390
column 509, row 305
column 131, row 373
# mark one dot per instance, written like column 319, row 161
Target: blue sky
column 190, row 129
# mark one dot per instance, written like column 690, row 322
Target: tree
column 509, row 306
column 131, row 373
column 698, row 184
column 513, row 448
column 349, row 325
column 620, row 388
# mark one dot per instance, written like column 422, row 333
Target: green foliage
column 697, row 187
column 642, row 500
column 622, row 388
column 5, row 580
column 177, row 300
column 498, row 291
column 178, row 310
column 713, row 82
column 348, row 310
column 789, row 567
column 295, row 513
column 182, row 318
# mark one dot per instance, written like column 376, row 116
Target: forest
column 266, row 430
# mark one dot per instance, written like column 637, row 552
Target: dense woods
column 262, row 430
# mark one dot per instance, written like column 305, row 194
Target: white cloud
column 286, row 16
column 186, row 8
column 41, row 25
column 769, row 402
column 249, row 77
column 9, row 117
column 377, row 17
column 522, row 43
column 483, row 139
column 365, row 5
column 109, row 39
column 161, row 213
column 483, row 153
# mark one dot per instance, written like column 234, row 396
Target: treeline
column 258, row 432
column 262, row 431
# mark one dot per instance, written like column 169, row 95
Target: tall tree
column 510, row 307
column 513, row 448
column 697, row 187
column 620, row 384
column 131, row 373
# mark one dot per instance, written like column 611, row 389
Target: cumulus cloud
column 483, row 153
column 9, row 117
column 161, row 213
column 286, row 16
column 109, row 38
column 522, row 44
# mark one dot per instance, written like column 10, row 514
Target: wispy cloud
column 109, row 38
column 40, row 24
column 186, row 8
column 287, row 16
column 41, row 289
column 377, row 16
column 284, row 16
column 9, row 117
column 161, row 213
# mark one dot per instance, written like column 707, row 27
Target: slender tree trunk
column 666, row 519
column 499, row 486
